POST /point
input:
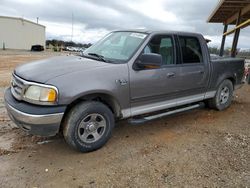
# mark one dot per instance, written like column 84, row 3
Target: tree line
column 227, row 52
column 61, row 43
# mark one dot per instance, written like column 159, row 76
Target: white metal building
column 19, row 33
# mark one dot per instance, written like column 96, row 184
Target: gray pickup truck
column 135, row 75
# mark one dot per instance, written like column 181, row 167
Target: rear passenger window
column 162, row 45
column 191, row 50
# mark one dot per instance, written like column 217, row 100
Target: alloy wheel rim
column 92, row 128
column 224, row 95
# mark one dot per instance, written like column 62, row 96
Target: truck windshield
column 116, row 47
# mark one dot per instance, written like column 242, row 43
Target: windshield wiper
column 100, row 57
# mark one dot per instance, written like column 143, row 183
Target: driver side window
column 162, row 45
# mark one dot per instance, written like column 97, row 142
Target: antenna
column 72, row 32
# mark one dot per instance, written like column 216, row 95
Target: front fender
column 100, row 80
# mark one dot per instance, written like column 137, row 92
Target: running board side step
column 145, row 119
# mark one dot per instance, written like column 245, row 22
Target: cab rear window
column 190, row 50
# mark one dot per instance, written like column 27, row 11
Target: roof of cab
column 159, row 32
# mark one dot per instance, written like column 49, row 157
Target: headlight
column 37, row 94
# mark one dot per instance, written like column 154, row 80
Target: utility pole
column 72, row 32
column 37, row 19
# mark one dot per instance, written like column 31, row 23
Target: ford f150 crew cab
column 135, row 75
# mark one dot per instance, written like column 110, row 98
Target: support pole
column 223, row 40
column 236, row 36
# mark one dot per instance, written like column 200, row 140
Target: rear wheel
column 88, row 126
column 223, row 97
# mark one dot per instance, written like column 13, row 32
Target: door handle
column 170, row 74
column 197, row 72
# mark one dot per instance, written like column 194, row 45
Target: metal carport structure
column 231, row 12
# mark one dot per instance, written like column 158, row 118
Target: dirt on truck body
column 204, row 148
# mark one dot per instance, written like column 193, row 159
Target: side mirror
column 148, row 61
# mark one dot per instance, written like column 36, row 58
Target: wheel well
column 108, row 100
column 232, row 80
column 103, row 98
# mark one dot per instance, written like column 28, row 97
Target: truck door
column 151, row 86
column 194, row 70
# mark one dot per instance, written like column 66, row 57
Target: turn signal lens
column 48, row 95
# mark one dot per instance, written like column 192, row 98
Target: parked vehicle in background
column 37, row 47
column 74, row 49
column 140, row 75
column 69, row 48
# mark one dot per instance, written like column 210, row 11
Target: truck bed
column 225, row 67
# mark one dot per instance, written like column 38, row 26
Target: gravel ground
column 199, row 148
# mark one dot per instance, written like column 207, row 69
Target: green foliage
column 214, row 50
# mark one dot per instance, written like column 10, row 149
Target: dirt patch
column 15, row 140
column 200, row 148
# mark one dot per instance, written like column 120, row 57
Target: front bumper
column 34, row 119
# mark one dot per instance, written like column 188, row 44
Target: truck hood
column 43, row 70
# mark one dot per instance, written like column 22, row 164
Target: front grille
column 17, row 87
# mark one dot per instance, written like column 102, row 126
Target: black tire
column 88, row 126
column 222, row 99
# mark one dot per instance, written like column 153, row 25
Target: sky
column 92, row 19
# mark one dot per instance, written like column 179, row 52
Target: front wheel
column 88, row 126
column 223, row 97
